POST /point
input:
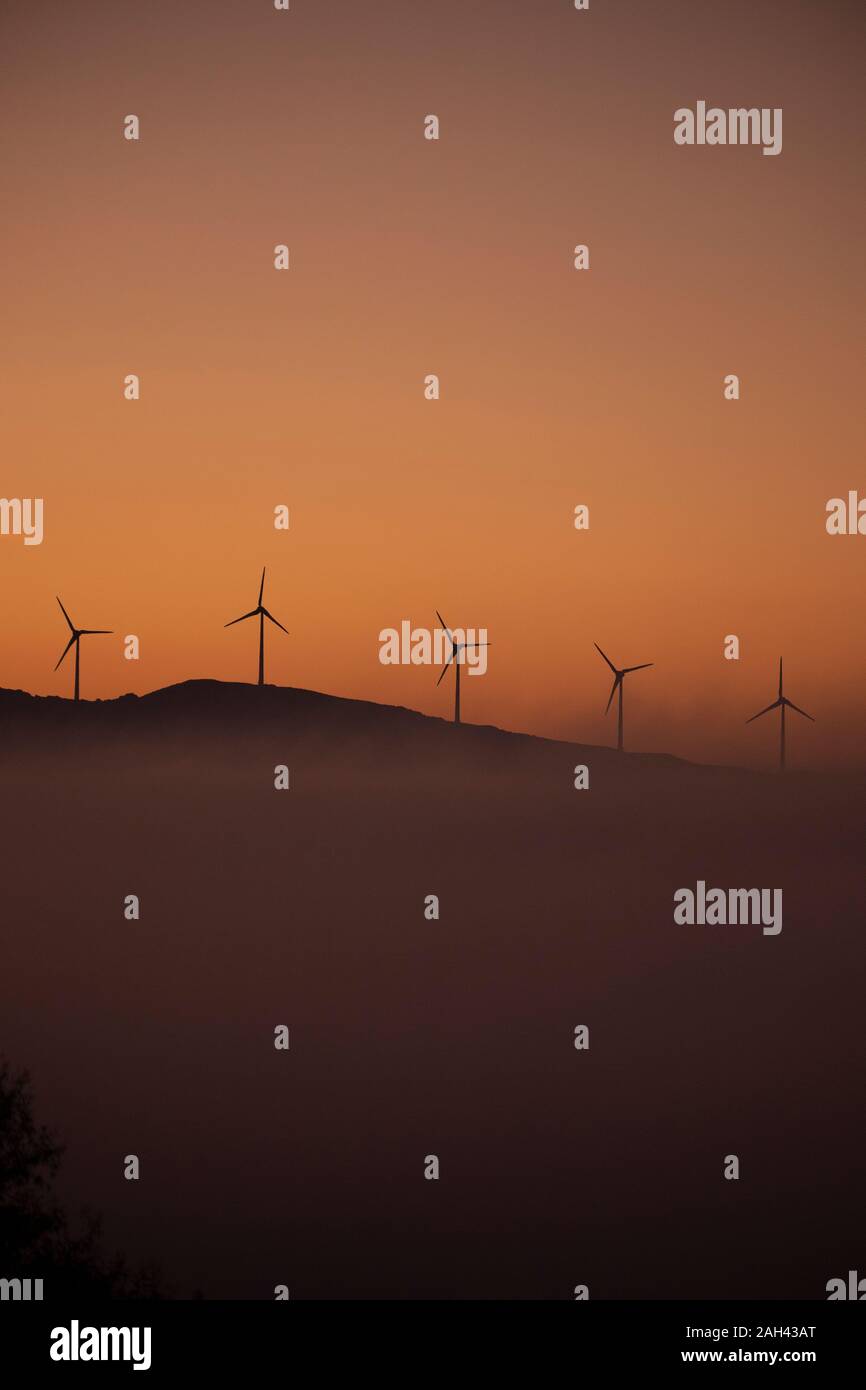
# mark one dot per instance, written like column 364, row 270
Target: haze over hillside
column 413, row 1035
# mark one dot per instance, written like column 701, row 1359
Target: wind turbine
column 261, row 613
column 456, row 649
column 618, row 678
column 781, row 705
column 77, row 634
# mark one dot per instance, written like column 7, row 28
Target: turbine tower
column 618, row 678
column 77, row 634
column 261, row 613
column 781, row 704
column 456, row 649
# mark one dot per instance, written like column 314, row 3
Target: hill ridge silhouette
column 242, row 707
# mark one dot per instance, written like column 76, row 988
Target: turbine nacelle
column 255, row 613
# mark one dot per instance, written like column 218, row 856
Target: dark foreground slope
column 412, row 1037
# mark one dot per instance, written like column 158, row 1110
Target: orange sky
column 411, row 257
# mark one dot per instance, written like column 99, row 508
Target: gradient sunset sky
column 454, row 257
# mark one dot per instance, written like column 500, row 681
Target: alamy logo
column 738, row 125
column 21, row 1290
column 421, row 647
column 730, row 906
column 855, row 1288
column 22, row 516
column 846, row 518
column 76, row 1343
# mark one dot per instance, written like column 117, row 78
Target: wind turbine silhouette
column 77, row 634
column 781, row 705
column 456, row 648
column 261, row 613
column 618, row 678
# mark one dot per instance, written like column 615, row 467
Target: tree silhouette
column 36, row 1238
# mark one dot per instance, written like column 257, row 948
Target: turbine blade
column 65, row 649
column 612, row 692
column 643, row 667
column 66, row 616
column 95, row 631
column 444, row 669
column 446, row 627
column 261, row 588
column 791, row 705
column 780, row 678
column 607, row 658
column 774, row 705
column 252, row 613
column 274, row 621
column 472, row 645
